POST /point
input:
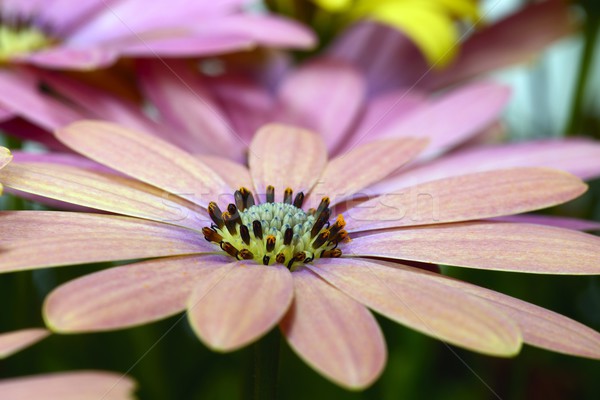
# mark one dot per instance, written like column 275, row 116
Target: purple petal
column 304, row 92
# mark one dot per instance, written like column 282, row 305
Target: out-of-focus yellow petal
column 433, row 32
column 334, row 5
column 461, row 9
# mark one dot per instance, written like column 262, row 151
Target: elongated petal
column 304, row 92
column 578, row 156
column 551, row 220
column 5, row 156
column 351, row 172
column 127, row 296
column 382, row 112
column 63, row 57
column 540, row 327
column 468, row 197
column 101, row 191
column 186, row 103
column 146, row 158
column 494, row 246
column 239, row 305
column 284, row 156
column 454, row 117
column 12, row 342
column 21, row 95
column 37, row 239
column 79, row 385
column 333, row 333
column 423, row 304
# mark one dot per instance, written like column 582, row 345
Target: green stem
column 590, row 31
column 266, row 367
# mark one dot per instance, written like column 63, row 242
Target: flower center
column 18, row 36
column 275, row 232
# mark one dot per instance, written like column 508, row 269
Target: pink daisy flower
column 278, row 255
column 74, row 385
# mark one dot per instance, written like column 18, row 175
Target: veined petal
column 488, row 245
column 64, row 57
column 29, row 239
column 101, row 191
column 303, row 93
column 540, row 327
column 580, row 157
column 552, row 220
column 468, row 197
column 239, row 305
column 421, row 303
column 12, row 342
column 454, row 117
column 285, row 156
column 146, row 158
column 348, row 173
column 127, row 296
column 79, row 385
column 333, row 333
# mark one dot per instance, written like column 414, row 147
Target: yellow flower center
column 275, row 232
column 19, row 38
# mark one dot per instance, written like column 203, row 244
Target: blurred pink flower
column 219, row 115
column 74, row 385
column 55, row 34
column 273, row 257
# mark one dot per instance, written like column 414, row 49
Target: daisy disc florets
column 275, row 232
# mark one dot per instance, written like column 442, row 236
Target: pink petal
column 102, row 191
column 381, row 113
column 517, row 38
column 239, row 305
column 454, row 117
column 551, row 220
column 30, row 239
column 285, row 156
column 353, row 171
column 6, row 114
column 64, row 57
column 421, row 303
column 387, row 57
column 13, row 342
column 146, row 158
column 494, row 246
column 127, row 296
column 184, row 101
column 68, row 159
column 234, row 174
column 580, row 157
column 78, row 385
column 21, row 95
column 540, row 327
column 102, row 104
column 333, row 333
column 305, row 91
column 468, row 197
column 247, row 103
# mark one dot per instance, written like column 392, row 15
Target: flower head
column 271, row 258
column 95, row 34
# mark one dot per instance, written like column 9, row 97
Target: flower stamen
column 275, row 232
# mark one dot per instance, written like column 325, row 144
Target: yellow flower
column 431, row 24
